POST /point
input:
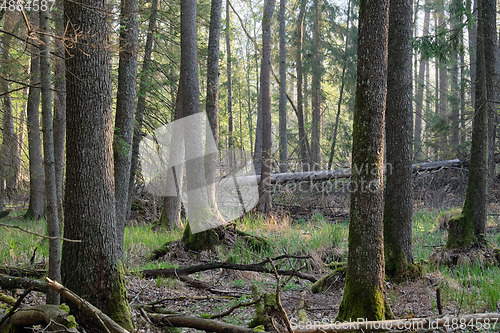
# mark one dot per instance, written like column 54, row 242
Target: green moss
column 118, row 307
column 460, row 231
column 64, row 307
column 327, row 281
column 362, row 301
column 200, row 240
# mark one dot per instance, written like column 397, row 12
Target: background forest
column 323, row 95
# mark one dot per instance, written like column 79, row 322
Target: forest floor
column 465, row 289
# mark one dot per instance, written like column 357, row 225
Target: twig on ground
column 279, row 288
column 234, row 307
column 107, row 322
column 39, row 235
column 16, row 306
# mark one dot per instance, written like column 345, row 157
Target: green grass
column 470, row 289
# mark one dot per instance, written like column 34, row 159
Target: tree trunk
column 59, row 107
column 90, row 190
column 456, row 8
column 9, row 144
column 469, row 227
column 36, row 207
column 472, row 32
column 264, row 204
column 364, row 291
column 141, row 102
column 283, row 144
column 316, row 90
column 399, row 192
column 341, row 94
column 300, row 109
column 212, row 104
column 53, row 228
column 442, row 142
column 419, row 93
column 229, row 87
column 125, row 107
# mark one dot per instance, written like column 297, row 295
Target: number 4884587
column 27, row 5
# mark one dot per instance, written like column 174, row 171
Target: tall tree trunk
column 36, row 207
column 229, row 87
column 316, row 89
column 141, row 102
column 341, row 93
column 98, row 275
column 419, row 93
column 283, row 144
column 398, row 123
column 53, row 228
column 443, row 83
column 469, row 227
column 264, row 204
column 472, row 32
column 257, row 156
column 9, row 144
column 364, row 291
column 456, row 9
column 212, row 104
column 125, row 107
column 59, row 106
column 300, row 109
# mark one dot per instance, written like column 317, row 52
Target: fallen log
column 13, row 282
column 209, row 325
column 482, row 320
column 323, row 175
column 22, row 272
column 101, row 317
column 52, row 317
column 259, row 267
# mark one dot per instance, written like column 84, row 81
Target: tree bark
column 398, row 202
column 59, row 106
column 419, row 93
column 472, row 32
column 283, row 144
column 364, row 291
column 229, row 87
column 469, row 227
column 141, row 102
column 264, row 204
column 316, row 90
column 125, row 107
column 36, row 207
column 300, row 105
column 212, row 104
column 9, row 144
column 97, row 274
column 442, row 142
column 456, row 8
column 53, row 228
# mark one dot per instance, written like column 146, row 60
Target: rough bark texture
column 59, row 106
column 442, row 142
column 398, row 193
column 92, row 269
column 125, row 108
column 469, row 226
column 316, row 90
column 9, row 144
column 472, row 32
column 283, row 145
column 264, row 204
column 456, row 8
column 53, row 228
column 364, row 291
column 419, row 93
column 229, row 86
column 141, row 102
column 212, row 102
column 36, row 207
column 300, row 105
